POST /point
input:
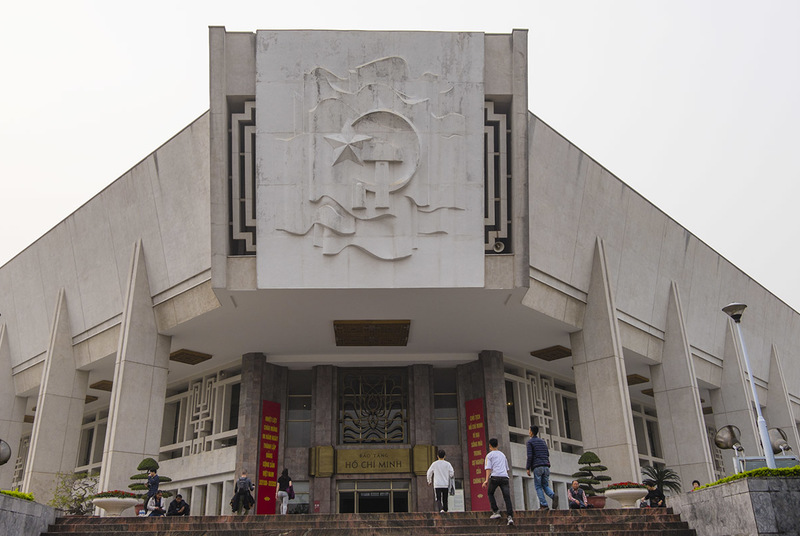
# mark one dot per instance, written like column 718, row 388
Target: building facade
column 369, row 249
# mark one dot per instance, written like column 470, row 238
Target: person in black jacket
column 654, row 497
column 242, row 499
column 178, row 507
column 152, row 487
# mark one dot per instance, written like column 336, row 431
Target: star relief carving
column 347, row 145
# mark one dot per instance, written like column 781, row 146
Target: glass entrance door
column 372, row 496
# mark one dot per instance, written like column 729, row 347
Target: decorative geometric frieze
column 201, row 416
column 242, row 168
column 371, row 332
column 497, row 181
column 102, row 385
column 552, row 353
column 189, row 357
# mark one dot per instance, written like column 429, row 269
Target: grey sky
column 694, row 104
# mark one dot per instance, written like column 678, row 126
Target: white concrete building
column 371, row 229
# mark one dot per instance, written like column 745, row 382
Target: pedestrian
column 440, row 475
column 695, row 484
column 654, row 497
column 152, row 487
column 178, row 507
column 539, row 462
column 497, row 474
column 242, row 499
column 155, row 506
column 282, row 490
column 576, row 496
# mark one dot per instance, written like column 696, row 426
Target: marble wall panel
column 557, row 179
column 181, row 188
column 27, row 315
column 132, row 215
column 99, row 280
column 641, row 250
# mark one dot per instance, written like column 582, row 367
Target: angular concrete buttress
column 12, row 410
column 779, row 413
column 680, row 414
column 731, row 402
column 59, row 411
column 604, row 402
column 136, row 411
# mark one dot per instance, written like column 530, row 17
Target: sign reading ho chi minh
column 373, row 461
column 476, row 454
column 268, row 457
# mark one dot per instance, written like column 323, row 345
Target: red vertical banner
column 268, row 457
column 476, row 455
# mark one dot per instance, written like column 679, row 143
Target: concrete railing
column 25, row 518
column 746, row 507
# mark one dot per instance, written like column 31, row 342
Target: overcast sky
column 694, row 104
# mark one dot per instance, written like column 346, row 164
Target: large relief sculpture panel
column 370, row 159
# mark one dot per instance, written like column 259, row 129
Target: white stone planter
column 627, row 497
column 114, row 506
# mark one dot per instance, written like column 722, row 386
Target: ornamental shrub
column 625, row 485
column 146, row 466
column 587, row 475
column 17, row 494
column 764, row 472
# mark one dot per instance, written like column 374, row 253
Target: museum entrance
column 372, row 496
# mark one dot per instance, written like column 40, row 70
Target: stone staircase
column 633, row 522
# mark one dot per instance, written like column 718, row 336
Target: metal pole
column 762, row 423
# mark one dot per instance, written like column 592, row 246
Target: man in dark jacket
column 178, row 507
column 539, row 463
column 152, row 487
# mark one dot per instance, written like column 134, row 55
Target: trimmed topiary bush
column 140, row 479
column 587, row 475
column 17, row 494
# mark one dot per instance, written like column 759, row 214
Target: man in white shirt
column 440, row 473
column 497, row 470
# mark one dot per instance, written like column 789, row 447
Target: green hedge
column 764, row 472
column 17, row 494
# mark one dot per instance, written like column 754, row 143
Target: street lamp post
column 735, row 310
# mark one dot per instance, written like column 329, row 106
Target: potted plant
column 628, row 494
column 114, row 502
column 588, row 477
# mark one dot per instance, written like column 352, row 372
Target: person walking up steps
column 539, row 462
column 440, row 473
column 497, row 475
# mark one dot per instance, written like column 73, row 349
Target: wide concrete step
column 561, row 522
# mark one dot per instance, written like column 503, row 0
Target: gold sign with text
column 373, row 461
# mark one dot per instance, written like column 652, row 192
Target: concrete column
column 484, row 378
column 494, row 397
column 59, row 411
column 249, row 414
column 139, row 389
column 323, row 432
column 260, row 381
column 604, row 402
column 420, row 405
column 731, row 402
column 12, row 410
column 199, row 498
column 680, row 415
column 779, row 413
